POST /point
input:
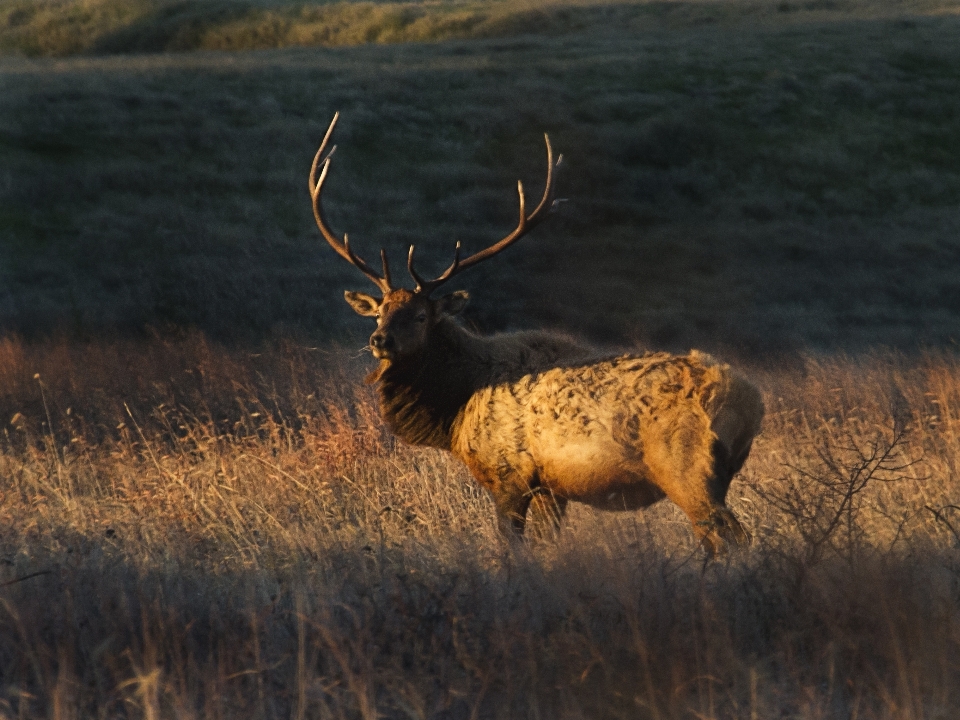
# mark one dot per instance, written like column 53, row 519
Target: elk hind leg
column 697, row 480
column 721, row 524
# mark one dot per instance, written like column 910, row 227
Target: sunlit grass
column 215, row 531
column 201, row 529
column 65, row 27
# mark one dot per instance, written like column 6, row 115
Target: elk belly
column 592, row 469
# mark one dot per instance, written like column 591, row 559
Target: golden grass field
column 205, row 532
column 201, row 513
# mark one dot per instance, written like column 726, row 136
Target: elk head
column 405, row 317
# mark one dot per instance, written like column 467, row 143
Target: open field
column 227, row 535
column 201, row 515
column 764, row 185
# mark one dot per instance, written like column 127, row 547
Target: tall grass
column 196, row 531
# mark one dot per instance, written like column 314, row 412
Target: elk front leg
column 721, row 522
column 713, row 523
column 510, row 485
column 512, row 504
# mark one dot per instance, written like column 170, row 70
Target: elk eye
column 422, row 317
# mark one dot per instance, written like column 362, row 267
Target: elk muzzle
column 382, row 344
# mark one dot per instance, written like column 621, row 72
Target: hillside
column 773, row 182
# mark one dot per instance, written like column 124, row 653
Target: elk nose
column 381, row 341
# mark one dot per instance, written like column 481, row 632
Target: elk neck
column 421, row 396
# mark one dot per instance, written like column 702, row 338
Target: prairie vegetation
column 201, row 515
column 203, row 532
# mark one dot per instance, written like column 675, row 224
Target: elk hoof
column 720, row 531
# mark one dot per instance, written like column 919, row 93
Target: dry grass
column 67, row 27
column 191, row 529
column 225, row 534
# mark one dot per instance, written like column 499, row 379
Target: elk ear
column 453, row 303
column 362, row 304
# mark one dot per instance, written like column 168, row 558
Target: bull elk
column 534, row 413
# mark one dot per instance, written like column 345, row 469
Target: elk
column 538, row 415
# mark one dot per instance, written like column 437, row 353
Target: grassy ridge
column 220, row 533
column 66, row 27
column 109, row 26
column 761, row 185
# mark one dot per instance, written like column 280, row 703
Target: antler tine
column 525, row 224
column 545, row 201
column 323, row 146
column 386, row 266
column 428, row 286
column 421, row 283
column 342, row 248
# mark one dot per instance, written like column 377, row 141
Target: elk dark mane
column 422, row 396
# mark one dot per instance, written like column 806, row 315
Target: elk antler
column 342, row 248
column 526, row 224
